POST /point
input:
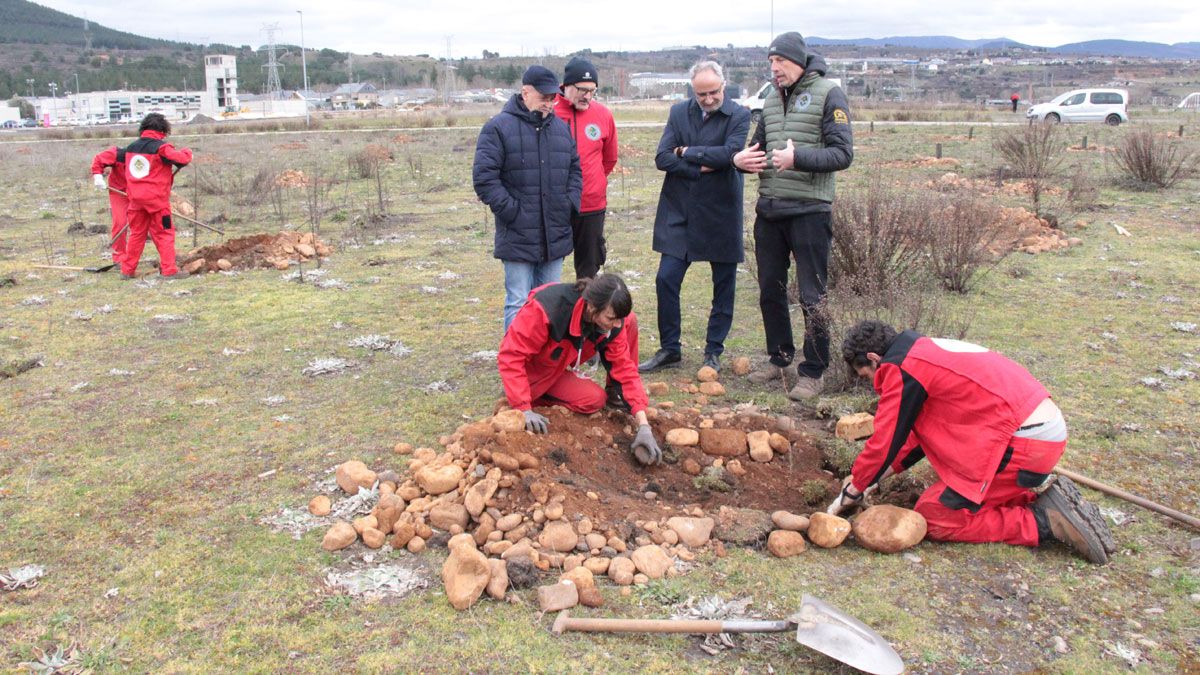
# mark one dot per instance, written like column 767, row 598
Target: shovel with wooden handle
column 818, row 625
column 97, row 270
column 175, row 215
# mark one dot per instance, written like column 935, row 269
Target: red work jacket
column 595, row 135
column 546, row 338
column 113, row 157
column 953, row 402
column 149, row 163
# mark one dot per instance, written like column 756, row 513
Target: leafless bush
column 1033, row 152
column 879, row 236
column 259, row 187
column 364, row 163
column 1082, row 193
column 1151, row 161
column 963, row 233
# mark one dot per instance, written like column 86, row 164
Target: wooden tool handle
column 564, row 622
column 1129, row 497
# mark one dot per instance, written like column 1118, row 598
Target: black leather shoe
column 614, row 399
column 661, row 359
column 713, row 361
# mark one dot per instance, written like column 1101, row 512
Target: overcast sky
column 536, row 28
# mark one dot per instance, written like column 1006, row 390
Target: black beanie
column 791, row 47
column 580, row 70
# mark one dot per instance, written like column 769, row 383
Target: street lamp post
column 304, row 68
column 29, row 81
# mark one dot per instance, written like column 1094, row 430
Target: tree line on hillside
column 25, row 22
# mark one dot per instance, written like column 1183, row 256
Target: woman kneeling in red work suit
column 561, row 326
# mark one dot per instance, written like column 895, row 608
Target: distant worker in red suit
column 150, row 171
column 1015, row 98
column 113, row 158
column 561, row 326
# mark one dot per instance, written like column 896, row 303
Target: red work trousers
column 161, row 230
column 574, row 390
column 1004, row 515
column 119, row 206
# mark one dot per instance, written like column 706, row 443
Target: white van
column 1084, row 105
column 755, row 103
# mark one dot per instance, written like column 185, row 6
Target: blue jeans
column 522, row 277
column 668, row 282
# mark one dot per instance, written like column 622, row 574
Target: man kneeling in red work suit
column 988, row 428
column 149, row 176
column 561, row 326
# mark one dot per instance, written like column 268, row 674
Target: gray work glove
column 845, row 500
column 98, row 181
column 645, row 448
column 536, row 423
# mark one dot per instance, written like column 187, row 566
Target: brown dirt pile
column 291, row 178
column 258, row 251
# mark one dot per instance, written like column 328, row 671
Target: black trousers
column 806, row 239
column 587, row 230
column 667, row 284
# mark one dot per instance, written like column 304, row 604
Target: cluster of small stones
column 295, row 246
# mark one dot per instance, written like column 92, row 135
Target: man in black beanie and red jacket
column 595, row 135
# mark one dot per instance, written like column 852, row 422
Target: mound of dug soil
column 258, row 251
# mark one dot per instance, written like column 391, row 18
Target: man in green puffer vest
column 803, row 138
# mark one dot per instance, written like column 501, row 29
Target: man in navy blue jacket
column 527, row 171
column 699, row 210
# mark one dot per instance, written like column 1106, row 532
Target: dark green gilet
column 802, row 124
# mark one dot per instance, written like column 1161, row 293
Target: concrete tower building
column 220, row 84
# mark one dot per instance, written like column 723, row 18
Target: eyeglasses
column 708, row 94
column 585, row 91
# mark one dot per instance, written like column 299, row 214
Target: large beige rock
column 339, row 536
column 556, row 597
column 558, row 535
column 693, row 532
column 789, row 521
column 597, row 565
column 319, row 505
column 373, row 538
column 439, row 480
column 779, row 443
column 352, row 475
column 785, row 543
column 506, row 461
column 826, row 530
column 387, row 512
column 760, row 446
column 445, row 516
column 707, row 374
column 658, row 388
column 509, row 420
column 856, row 426
column 497, row 584
column 741, row 365
column 401, row 534
column 621, row 571
column 712, row 389
column 723, row 442
column 581, row 576
column 652, row 561
column 889, row 529
column 465, row 574
column 683, row 437
column 476, row 498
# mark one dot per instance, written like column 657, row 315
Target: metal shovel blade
column 838, row 635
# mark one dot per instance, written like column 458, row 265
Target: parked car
column 9, row 124
column 1084, row 105
column 755, row 102
column 29, row 122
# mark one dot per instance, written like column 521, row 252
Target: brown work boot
column 1063, row 515
column 806, row 388
column 772, row 373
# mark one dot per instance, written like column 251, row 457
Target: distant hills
column 25, row 22
column 1118, row 48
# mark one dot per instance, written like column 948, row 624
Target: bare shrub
column 1151, row 161
column 259, row 187
column 963, row 234
column 1082, row 193
column 879, row 236
column 365, row 163
column 1033, row 152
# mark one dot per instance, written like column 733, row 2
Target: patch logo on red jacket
column 139, row 166
column 592, row 131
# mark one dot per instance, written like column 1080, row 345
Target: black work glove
column 645, row 448
column 536, row 423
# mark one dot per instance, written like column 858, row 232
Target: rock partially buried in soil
column 785, row 543
column 352, row 475
column 652, row 561
column 741, row 366
column 445, row 516
column 465, row 575
column 741, row 526
column 658, row 388
column 854, row 427
column 510, row 420
column 580, row 576
column 889, row 529
column 789, row 521
column 723, row 442
column 760, row 446
column 707, row 374
column 557, row 597
column 373, row 538
column 826, row 530
column 402, row 533
column 712, row 389
column 693, row 532
column 194, row 267
column 591, row 597
column 691, row 467
column 339, row 536
column 319, row 505
column 683, row 437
